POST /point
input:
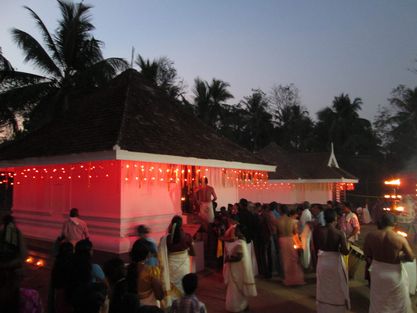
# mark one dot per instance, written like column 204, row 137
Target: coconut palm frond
column 12, row 79
column 45, row 35
column 100, row 72
column 35, row 53
column 23, row 97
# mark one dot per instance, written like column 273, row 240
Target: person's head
column 114, row 270
column 205, row 181
column 316, row 209
column 306, row 205
column 330, row 216
column 74, row 212
column 293, row 213
column 329, row 204
column 140, row 251
column 273, row 206
column 84, row 246
column 338, row 210
column 190, row 283
column 142, row 231
column 177, row 221
column 66, row 249
column 175, row 228
column 243, row 204
column 346, row 207
column 284, row 209
column 387, row 220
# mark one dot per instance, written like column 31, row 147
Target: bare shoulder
column 396, row 238
column 373, row 235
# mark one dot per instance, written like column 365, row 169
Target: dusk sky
column 363, row 48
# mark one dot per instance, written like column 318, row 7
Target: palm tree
column 342, row 125
column 148, row 68
column 209, row 100
column 162, row 73
column 70, row 62
column 401, row 125
column 8, row 118
column 294, row 130
column 259, row 121
column 218, row 94
column 202, row 100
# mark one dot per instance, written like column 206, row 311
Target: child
column 188, row 303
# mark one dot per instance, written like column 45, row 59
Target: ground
column 272, row 295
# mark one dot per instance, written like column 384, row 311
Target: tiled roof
column 301, row 165
column 134, row 115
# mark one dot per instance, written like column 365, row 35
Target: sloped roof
column 303, row 166
column 132, row 115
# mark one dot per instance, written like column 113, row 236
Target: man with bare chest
column 389, row 282
column 332, row 291
column 287, row 227
column 205, row 197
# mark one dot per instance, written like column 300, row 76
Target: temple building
column 299, row 177
column 123, row 155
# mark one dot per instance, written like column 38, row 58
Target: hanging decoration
column 131, row 172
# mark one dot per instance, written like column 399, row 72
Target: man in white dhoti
column 389, row 282
column 332, row 291
column 351, row 227
column 205, row 197
column 237, row 271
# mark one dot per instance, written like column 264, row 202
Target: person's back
column 285, row 226
column 389, row 285
column 384, row 246
column 328, row 238
column 75, row 229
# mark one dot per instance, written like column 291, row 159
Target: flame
column 399, row 209
column 40, row 263
column 393, row 182
column 30, row 260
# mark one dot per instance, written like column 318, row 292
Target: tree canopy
column 69, row 62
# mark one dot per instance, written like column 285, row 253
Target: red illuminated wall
column 113, row 197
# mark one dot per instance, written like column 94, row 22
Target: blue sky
column 363, row 48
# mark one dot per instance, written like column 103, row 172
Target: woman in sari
column 143, row 279
column 175, row 250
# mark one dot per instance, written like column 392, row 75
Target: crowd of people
column 249, row 239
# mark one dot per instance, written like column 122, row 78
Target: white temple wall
column 287, row 193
